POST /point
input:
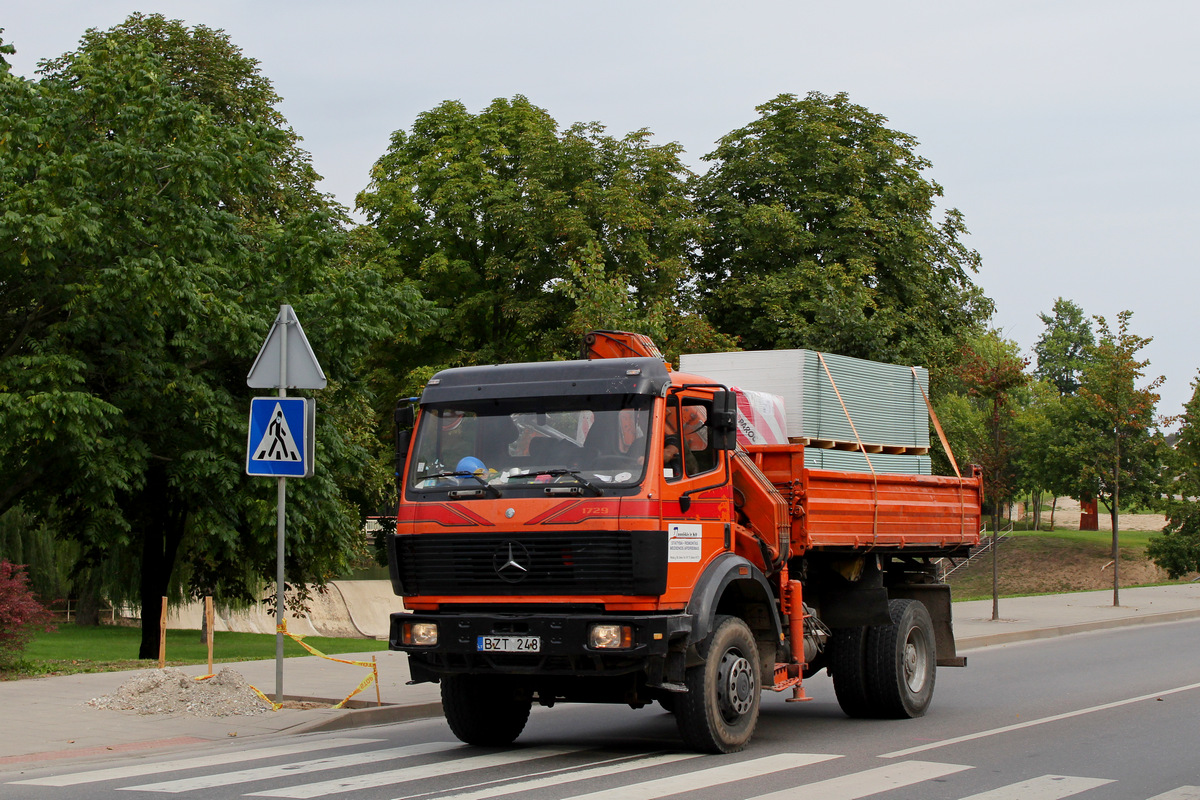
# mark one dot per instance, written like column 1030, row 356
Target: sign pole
column 279, row 531
column 280, row 440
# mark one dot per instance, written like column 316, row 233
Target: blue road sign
column 280, row 442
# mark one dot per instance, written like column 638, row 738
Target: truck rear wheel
column 901, row 662
column 720, row 709
column 848, row 668
column 484, row 710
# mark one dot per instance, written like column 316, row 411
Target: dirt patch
column 1066, row 517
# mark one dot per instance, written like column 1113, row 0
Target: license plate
column 508, row 644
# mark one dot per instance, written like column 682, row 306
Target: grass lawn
column 73, row 649
column 1053, row 562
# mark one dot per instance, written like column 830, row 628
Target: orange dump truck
column 591, row 531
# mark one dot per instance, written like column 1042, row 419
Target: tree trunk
column 87, row 590
column 1115, row 515
column 1053, row 508
column 995, row 561
column 162, row 531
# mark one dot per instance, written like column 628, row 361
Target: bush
column 20, row 612
column 1178, row 549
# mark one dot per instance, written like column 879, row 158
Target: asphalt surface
column 49, row 719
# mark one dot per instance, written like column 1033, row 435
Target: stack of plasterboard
column 884, row 401
column 856, row 462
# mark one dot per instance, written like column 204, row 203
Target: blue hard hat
column 470, row 464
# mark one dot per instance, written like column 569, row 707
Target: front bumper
column 564, row 647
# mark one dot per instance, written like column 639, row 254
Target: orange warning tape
column 298, row 639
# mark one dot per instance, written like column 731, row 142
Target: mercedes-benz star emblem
column 511, row 562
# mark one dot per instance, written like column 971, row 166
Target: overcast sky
column 1066, row 132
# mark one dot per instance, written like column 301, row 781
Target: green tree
column 1062, row 348
column 820, row 234
column 1122, row 455
column 1178, row 549
column 157, row 211
column 528, row 236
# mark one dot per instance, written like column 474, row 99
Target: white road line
column 566, row 776
column 217, row 759
column 1182, row 793
column 868, row 782
column 1033, row 722
column 295, row 768
column 707, row 778
column 1047, row 787
column 420, row 772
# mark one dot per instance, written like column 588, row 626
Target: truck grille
column 527, row 564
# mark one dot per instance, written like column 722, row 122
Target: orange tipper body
column 590, row 531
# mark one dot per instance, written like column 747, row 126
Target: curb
column 364, row 717
column 1054, row 631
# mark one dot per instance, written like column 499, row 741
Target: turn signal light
column 611, row 637
column 419, row 634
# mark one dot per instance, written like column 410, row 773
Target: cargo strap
column 937, row 425
column 862, row 448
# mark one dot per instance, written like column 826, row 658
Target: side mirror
column 403, row 417
column 724, row 420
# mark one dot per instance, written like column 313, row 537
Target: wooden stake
column 375, row 667
column 208, row 618
column 162, row 635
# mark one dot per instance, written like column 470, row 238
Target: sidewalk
column 48, row 718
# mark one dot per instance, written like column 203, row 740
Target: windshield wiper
column 487, row 488
column 584, row 483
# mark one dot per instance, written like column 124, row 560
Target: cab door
column 697, row 495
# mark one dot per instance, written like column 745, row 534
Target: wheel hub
column 735, row 685
column 915, row 659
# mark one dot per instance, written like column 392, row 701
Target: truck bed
column 860, row 511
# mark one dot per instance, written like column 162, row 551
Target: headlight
column 611, row 637
column 420, row 634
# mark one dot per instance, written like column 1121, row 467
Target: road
column 1112, row 715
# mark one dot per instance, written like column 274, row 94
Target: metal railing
column 984, row 546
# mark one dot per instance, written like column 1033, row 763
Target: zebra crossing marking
column 420, row 772
column 867, row 782
column 1047, row 787
column 195, row 762
column 295, row 768
column 853, row 786
column 568, row 775
column 707, row 778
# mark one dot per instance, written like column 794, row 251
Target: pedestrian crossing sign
column 281, row 438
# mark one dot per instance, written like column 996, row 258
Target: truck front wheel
column 902, row 662
column 485, row 710
column 720, row 709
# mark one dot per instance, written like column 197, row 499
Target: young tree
column 157, row 212
column 820, row 234
column 992, row 372
column 528, row 236
column 1123, row 452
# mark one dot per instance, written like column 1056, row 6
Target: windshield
column 590, row 445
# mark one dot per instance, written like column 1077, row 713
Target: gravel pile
column 172, row 691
